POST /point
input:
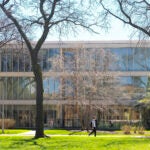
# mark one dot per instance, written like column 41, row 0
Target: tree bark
column 39, row 100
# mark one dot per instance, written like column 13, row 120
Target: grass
column 13, row 131
column 79, row 132
column 75, row 140
column 61, row 132
column 74, row 143
column 69, row 132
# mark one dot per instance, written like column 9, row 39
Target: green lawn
column 69, row 132
column 77, row 142
column 13, row 131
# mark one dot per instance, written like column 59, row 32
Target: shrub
column 126, row 129
column 134, row 128
column 8, row 123
column 141, row 130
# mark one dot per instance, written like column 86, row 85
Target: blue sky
column 118, row 31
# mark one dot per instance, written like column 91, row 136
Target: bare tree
column 135, row 13
column 131, row 12
column 8, row 32
column 46, row 16
column 97, row 88
column 87, row 83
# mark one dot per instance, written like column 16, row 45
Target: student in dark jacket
column 93, row 125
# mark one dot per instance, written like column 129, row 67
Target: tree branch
column 127, row 16
column 6, row 26
column 130, row 21
column 53, row 9
column 10, row 16
column 5, row 2
column 42, row 10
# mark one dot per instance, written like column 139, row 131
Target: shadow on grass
column 32, row 141
column 25, row 143
column 78, row 132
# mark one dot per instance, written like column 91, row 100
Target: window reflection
column 140, row 58
column 14, row 61
column 96, row 59
column 133, row 87
column 4, row 62
column 132, row 59
column 51, row 88
column 17, row 88
column 113, row 59
column 122, row 58
column 69, row 60
column 48, row 57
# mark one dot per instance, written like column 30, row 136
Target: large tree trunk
column 39, row 101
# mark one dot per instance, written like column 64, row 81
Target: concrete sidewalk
column 28, row 133
column 32, row 133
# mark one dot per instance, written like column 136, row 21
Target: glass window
column 133, row 87
column 50, row 55
column 69, row 60
column 51, row 88
column 27, row 63
column 15, row 87
column 9, row 62
column 15, row 62
column 69, row 88
column 21, row 62
column 32, row 88
column 121, row 55
column 28, row 87
column 140, row 59
column 4, row 62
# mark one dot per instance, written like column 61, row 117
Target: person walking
column 93, row 125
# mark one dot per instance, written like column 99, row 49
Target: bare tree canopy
column 135, row 13
column 58, row 16
column 7, row 31
column 43, row 17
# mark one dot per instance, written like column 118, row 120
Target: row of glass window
column 114, row 59
column 19, row 88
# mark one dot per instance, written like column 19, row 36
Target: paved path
column 32, row 133
column 29, row 133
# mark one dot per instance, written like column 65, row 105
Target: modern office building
column 81, row 79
